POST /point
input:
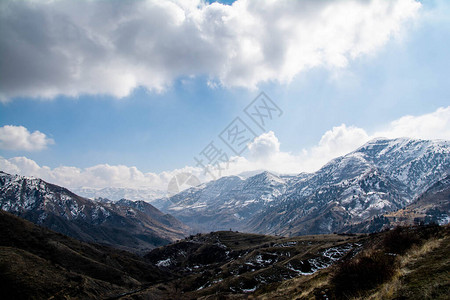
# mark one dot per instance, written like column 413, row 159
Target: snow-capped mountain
column 227, row 202
column 130, row 225
column 381, row 176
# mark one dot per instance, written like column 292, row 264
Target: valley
column 38, row 263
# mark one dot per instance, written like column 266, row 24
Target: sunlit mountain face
column 381, row 176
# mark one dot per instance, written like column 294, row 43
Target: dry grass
column 302, row 287
column 419, row 251
column 392, row 288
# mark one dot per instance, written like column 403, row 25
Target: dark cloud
column 73, row 47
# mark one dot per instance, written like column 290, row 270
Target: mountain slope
column 230, row 265
column 227, row 202
column 381, row 176
column 132, row 226
column 433, row 206
column 380, row 271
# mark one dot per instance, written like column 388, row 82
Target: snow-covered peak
column 405, row 147
column 413, row 162
column 266, row 177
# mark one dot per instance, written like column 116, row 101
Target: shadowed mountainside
column 38, row 263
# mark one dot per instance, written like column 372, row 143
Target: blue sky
column 161, row 129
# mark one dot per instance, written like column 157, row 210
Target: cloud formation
column 264, row 146
column 435, row 125
column 98, row 176
column 74, row 47
column 265, row 153
column 19, row 138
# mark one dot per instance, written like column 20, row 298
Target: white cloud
column 110, row 47
column 98, row 176
column 19, row 138
column 435, row 125
column 338, row 141
column 264, row 154
column 264, row 146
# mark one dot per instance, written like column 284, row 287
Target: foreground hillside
column 413, row 262
column 236, row 264
column 134, row 226
column 227, row 265
column 406, row 263
column 37, row 263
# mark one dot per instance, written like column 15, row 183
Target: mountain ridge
column 380, row 176
column 138, row 228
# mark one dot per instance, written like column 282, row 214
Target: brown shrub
column 362, row 273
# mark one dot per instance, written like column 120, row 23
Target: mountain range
column 376, row 185
column 381, row 176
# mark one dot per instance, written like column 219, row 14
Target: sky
column 131, row 93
